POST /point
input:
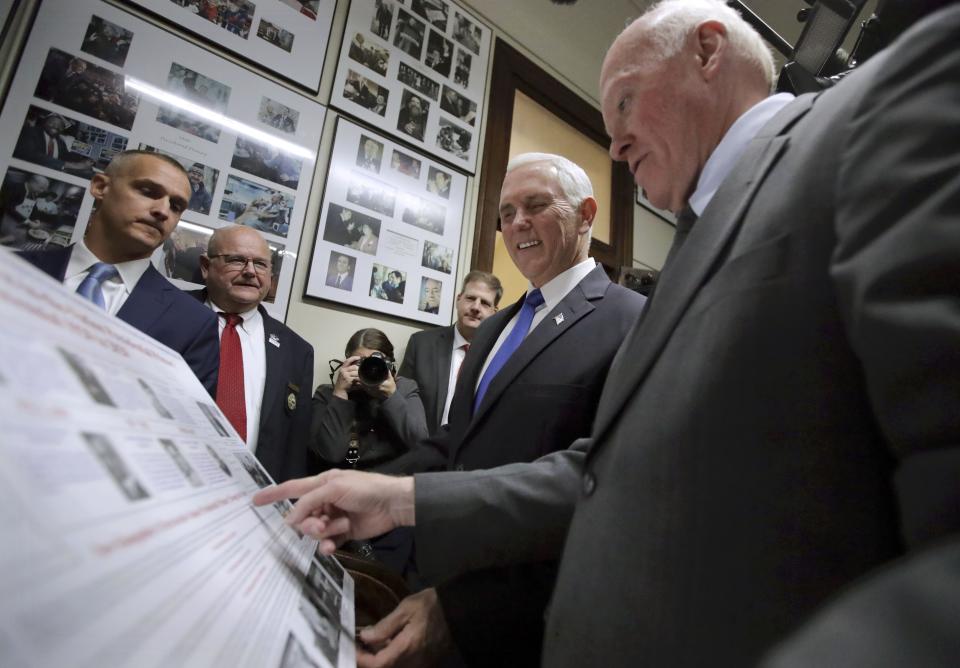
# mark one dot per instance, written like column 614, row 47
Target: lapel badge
column 292, row 401
column 558, row 319
column 275, row 340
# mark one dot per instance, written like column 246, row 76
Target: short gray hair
column 573, row 180
column 672, row 20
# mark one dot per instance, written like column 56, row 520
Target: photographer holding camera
column 369, row 416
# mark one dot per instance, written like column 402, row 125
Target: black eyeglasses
column 239, row 262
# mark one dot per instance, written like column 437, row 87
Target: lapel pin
column 275, row 340
column 558, row 319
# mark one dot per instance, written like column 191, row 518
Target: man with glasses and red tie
column 266, row 369
column 139, row 199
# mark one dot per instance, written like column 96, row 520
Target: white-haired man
column 783, row 419
column 528, row 385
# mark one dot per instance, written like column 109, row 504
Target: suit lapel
column 148, row 301
column 274, row 383
column 574, row 306
column 443, row 355
column 681, row 281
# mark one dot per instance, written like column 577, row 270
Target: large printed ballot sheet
column 127, row 534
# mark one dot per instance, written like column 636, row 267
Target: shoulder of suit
column 186, row 304
column 272, row 325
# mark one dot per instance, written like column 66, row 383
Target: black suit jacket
column 783, row 419
column 427, row 361
column 285, row 410
column 543, row 398
column 32, row 146
column 160, row 310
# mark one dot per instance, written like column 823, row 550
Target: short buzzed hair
column 488, row 279
column 120, row 159
column 672, row 21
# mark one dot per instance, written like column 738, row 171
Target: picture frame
column 248, row 144
column 388, row 239
column 663, row 214
column 288, row 37
column 418, row 71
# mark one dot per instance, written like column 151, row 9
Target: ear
column 204, row 266
column 588, row 211
column 99, row 185
column 710, row 44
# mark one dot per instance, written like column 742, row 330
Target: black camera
column 374, row 369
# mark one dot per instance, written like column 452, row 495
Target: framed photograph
column 667, row 216
column 95, row 80
column 418, row 70
column 389, row 233
column 288, row 37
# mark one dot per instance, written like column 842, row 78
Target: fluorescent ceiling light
column 225, row 122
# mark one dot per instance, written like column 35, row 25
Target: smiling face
column 139, row 205
column 654, row 113
column 544, row 234
column 474, row 305
column 236, row 290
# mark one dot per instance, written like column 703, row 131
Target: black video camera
column 374, row 369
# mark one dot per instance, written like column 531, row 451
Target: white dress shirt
column 252, row 342
column 553, row 292
column 732, row 146
column 456, row 359
column 117, row 289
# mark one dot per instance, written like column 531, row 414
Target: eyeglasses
column 239, row 262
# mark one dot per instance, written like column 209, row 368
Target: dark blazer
column 906, row 615
column 32, row 146
column 542, row 399
column 783, row 418
column 158, row 309
column 386, row 429
column 285, row 411
column 427, row 361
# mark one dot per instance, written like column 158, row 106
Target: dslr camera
column 374, row 369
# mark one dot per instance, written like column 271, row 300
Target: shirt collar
column 731, row 147
column 250, row 317
column 557, row 287
column 82, row 258
column 458, row 339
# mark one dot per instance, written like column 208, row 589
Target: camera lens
column 373, row 370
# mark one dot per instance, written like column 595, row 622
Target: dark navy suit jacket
column 160, row 310
column 285, row 410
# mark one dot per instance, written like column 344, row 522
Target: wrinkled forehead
column 242, row 241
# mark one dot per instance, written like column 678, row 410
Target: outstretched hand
column 415, row 634
column 337, row 505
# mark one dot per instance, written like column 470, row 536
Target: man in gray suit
column 783, row 418
column 433, row 357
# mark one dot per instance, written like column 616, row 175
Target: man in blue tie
column 529, row 385
column 139, row 200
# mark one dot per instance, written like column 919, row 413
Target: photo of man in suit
column 43, row 144
column 139, row 200
column 781, row 421
column 275, row 374
column 341, row 270
column 433, row 357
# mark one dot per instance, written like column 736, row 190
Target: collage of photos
column 389, row 233
column 75, row 111
column 288, row 37
column 420, row 66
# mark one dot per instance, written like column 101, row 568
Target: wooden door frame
column 513, row 72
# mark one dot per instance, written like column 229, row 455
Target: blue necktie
column 532, row 302
column 90, row 287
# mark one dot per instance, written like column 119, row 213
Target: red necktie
column 230, row 394
column 50, row 147
column 465, row 347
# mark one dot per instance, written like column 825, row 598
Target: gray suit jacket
column 783, row 419
column 427, row 361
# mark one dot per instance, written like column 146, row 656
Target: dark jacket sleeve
column 331, row 423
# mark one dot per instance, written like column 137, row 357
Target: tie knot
column 534, row 299
column 101, row 271
column 233, row 319
column 465, row 347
